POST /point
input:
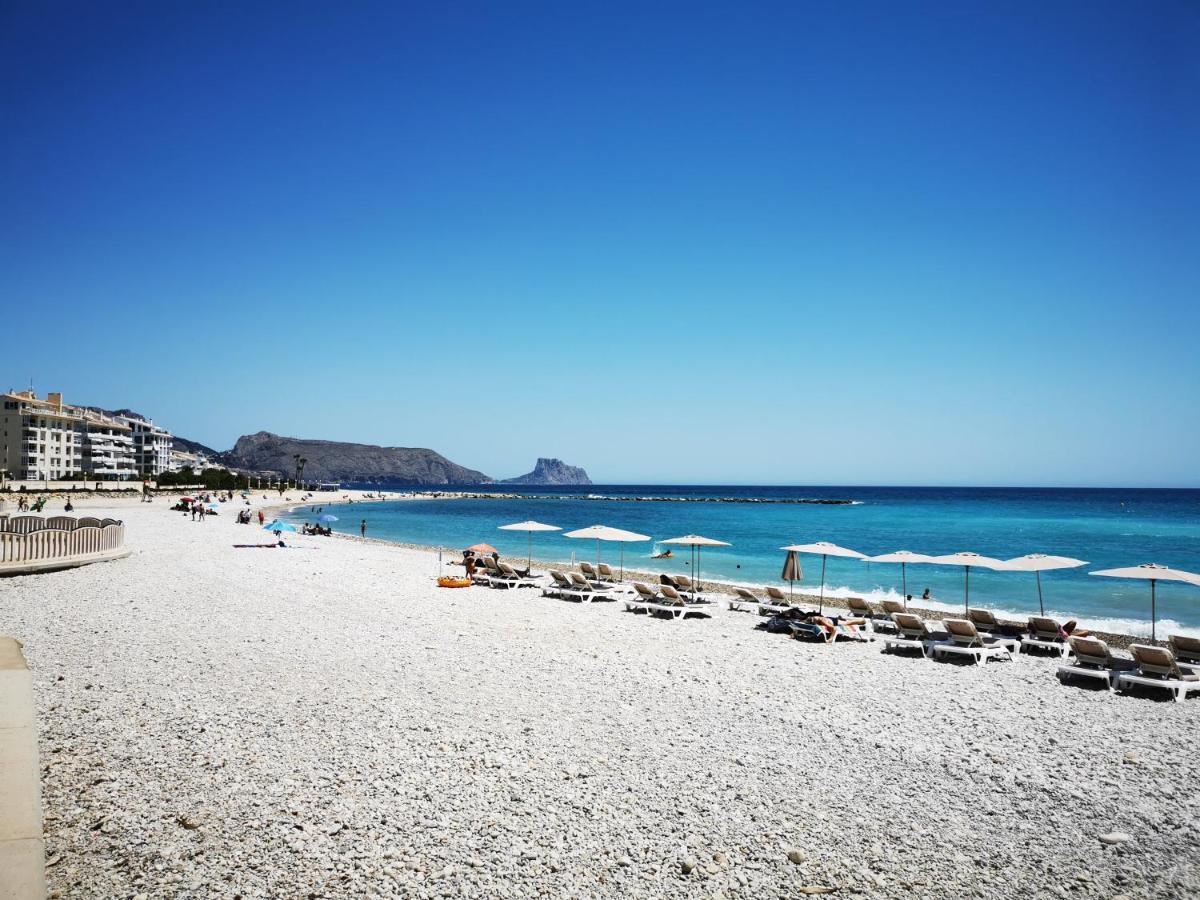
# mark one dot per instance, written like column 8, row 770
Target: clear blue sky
column 930, row 243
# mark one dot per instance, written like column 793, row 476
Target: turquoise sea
column 1106, row 527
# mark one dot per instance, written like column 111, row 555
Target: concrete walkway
column 22, row 852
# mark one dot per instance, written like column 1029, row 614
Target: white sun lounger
column 1094, row 660
column 775, row 603
column 509, row 577
column 741, row 598
column 558, row 586
column 991, row 628
column 585, row 592
column 911, row 634
column 1157, row 667
column 605, row 574
column 965, row 640
column 1045, row 634
column 860, row 607
column 641, row 599
column 1186, row 650
column 673, row 604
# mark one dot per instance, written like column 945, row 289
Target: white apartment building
column 152, row 446
column 197, row 462
column 47, row 440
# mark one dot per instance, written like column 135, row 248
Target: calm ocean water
column 1107, row 527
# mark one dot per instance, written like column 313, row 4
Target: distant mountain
column 337, row 461
column 178, row 443
column 552, row 471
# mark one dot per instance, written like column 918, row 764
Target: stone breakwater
column 322, row 721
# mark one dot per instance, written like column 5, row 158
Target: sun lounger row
column 493, row 573
column 576, row 587
column 957, row 637
column 1157, row 667
column 665, row 601
column 598, row 573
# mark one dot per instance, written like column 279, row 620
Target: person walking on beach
column 261, row 519
column 362, row 527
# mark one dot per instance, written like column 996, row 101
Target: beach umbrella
column 1039, row 563
column 1153, row 573
column 327, row 518
column 696, row 541
column 482, row 548
column 791, row 571
column 529, row 528
column 904, row 557
column 600, row 533
column 824, row 549
column 187, row 499
column 967, row 560
column 278, row 526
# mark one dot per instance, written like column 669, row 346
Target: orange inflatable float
column 450, row 582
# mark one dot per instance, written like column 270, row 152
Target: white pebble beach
column 324, row 721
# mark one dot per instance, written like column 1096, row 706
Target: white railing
column 30, row 541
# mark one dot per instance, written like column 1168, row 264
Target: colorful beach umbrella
column 824, row 549
column 600, row 533
column 1039, row 563
column 904, row 557
column 1153, row 573
column 529, row 528
column 968, row 560
column 278, row 526
column 695, row 541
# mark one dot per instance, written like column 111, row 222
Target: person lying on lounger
column 1071, row 629
column 827, row 629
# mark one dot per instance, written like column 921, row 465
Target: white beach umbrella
column 904, row 557
column 600, row 533
column 696, row 541
column 967, row 560
column 1039, row 563
column 529, row 528
column 1153, row 573
column 824, row 549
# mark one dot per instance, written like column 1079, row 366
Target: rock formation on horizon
column 552, row 471
column 338, row 461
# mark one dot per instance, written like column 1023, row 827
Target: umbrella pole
column 1041, row 605
column 904, row 585
column 822, row 610
column 1153, row 612
column 622, row 562
column 529, row 561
